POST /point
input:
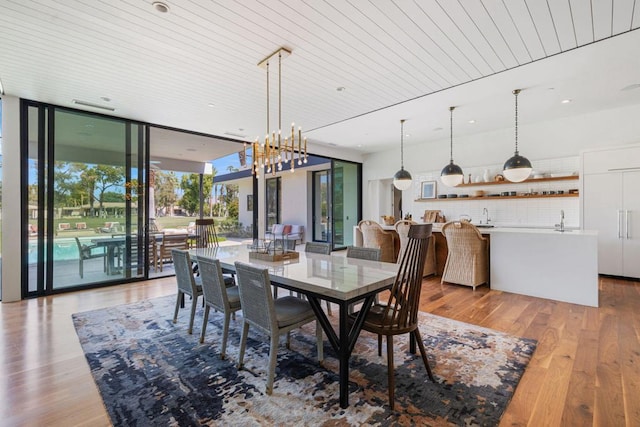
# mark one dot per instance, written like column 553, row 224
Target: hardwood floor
column 585, row 371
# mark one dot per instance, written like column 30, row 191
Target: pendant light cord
column 451, row 133
column 279, row 90
column 516, row 92
column 402, row 144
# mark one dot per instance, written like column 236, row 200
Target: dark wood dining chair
column 206, row 236
column 400, row 314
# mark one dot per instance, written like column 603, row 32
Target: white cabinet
column 611, row 205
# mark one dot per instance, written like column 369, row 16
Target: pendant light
column 451, row 175
column 517, row 168
column 402, row 179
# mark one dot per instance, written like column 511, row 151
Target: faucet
column 485, row 212
column 560, row 227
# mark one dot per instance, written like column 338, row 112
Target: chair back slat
column 318, row 248
column 255, row 288
column 213, row 286
column 358, row 252
column 401, row 311
column 184, row 274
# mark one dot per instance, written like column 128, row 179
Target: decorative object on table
column 275, row 151
column 498, row 178
column 131, row 349
column 517, row 168
column 451, row 174
column 428, row 190
column 485, row 176
column 469, row 181
column 431, row 216
column 402, row 179
column 477, row 193
column 388, row 219
column 477, row 179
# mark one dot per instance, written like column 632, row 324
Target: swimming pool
column 63, row 249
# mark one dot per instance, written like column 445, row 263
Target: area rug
column 151, row 372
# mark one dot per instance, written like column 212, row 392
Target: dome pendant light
column 451, row 175
column 517, row 168
column 402, row 179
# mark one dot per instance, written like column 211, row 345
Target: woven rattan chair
column 272, row 317
column 400, row 314
column 468, row 255
column 319, row 248
column 187, row 284
column 217, row 295
column 374, row 236
column 402, row 228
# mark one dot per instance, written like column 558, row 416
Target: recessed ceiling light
column 407, row 135
column 566, row 101
column 160, row 6
column 631, row 87
column 472, row 121
column 191, row 149
column 359, row 145
column 211, row 104
column 437, row 129
column 241, row 129
column 341, row 88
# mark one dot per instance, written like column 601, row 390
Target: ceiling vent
column 92, row 105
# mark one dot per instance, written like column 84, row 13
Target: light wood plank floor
column 586, row 369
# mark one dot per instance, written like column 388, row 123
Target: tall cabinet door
column 603, row 211
column 631, row 237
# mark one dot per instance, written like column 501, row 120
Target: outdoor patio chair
column 89, row 252
column 168, row 244
column 272, row 317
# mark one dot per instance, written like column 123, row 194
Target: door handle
column 627, row 215
column 619, row 220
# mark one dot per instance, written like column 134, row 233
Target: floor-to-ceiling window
column 274, row 200
column 0, row 199
column 84, row 184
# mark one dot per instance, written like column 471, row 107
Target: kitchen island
column 539, row 262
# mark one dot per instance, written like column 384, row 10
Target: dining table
column 342, row 281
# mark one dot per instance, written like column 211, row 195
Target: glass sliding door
column 321, row 206
column 85, row 181
column 345, row 202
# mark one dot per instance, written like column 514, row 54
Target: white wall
column 541, row 142
column 245, row 187
column 11, row 208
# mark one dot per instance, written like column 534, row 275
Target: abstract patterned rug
column 151, row 372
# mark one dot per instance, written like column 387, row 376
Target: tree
column 107, row 177
column 165, row 187
column 190, row 185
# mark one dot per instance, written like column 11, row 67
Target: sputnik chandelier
column 276, row 150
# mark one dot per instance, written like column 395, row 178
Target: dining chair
column 187, row 284
column 323, row 249
column 402, row 228
column 468, row 255
column 217, row 295
column 400, row 314
column 87, row 252
column 374, row 236
column 205, row 231
column 370, row 254
column 168, row 244
column 273, row 317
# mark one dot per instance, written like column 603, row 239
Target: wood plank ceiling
column 195, row 67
